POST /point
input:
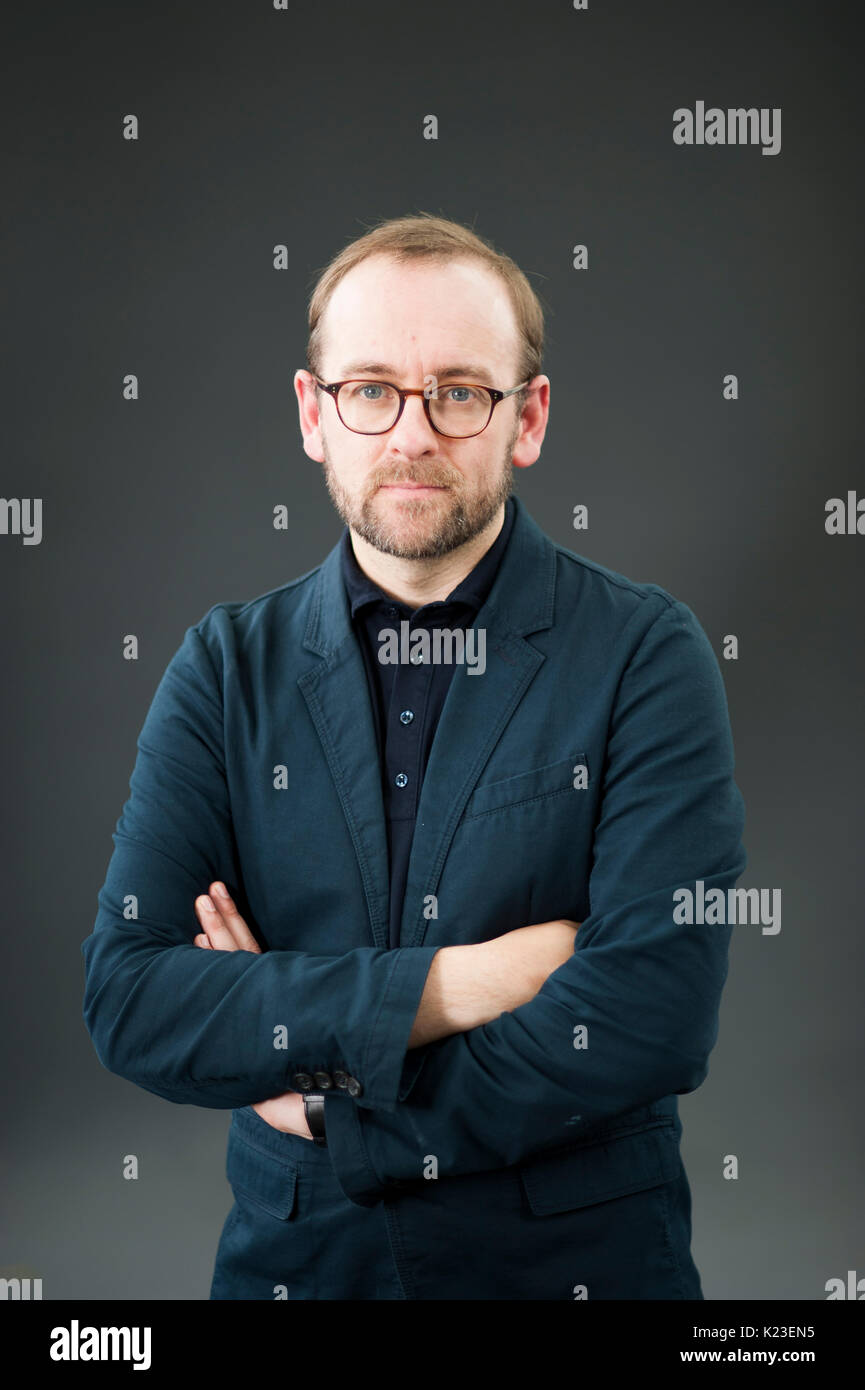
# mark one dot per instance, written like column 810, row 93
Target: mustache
column 444, row 478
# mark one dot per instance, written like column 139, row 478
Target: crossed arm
column 500, row 1078
column 465, row 985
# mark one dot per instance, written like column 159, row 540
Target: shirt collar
column 472, row 591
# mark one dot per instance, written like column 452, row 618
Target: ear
column 308, row 399
column 533, row 423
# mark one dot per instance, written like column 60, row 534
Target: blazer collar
column 514, row 605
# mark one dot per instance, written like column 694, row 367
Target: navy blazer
column 536, row 1156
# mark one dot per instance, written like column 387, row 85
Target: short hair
column 426, row 237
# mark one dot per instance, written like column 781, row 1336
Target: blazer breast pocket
column 602, row 1170
column 568, row 775
column 262, row 1178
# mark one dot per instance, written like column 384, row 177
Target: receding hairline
column 425, row 238
column 468, row 370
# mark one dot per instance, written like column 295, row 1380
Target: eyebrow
column 467, row 371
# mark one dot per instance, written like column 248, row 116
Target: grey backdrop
column 259, row 127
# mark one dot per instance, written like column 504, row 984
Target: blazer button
column 323, row 1080
column 353, row 1086
column 303, row 1081
column 340, row 1079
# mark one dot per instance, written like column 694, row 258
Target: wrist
column 313, row 1111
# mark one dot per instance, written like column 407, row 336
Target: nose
column 413, row 433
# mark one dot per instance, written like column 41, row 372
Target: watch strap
column 313, row 1105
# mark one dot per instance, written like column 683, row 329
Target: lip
column 411, row 487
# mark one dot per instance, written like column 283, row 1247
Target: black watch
column 313, row 1105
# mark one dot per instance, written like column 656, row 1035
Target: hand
column 223, row 927
column 225, row 930
column 285, row 1112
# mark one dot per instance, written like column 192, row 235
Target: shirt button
column 406, row 717
column 416, row 657
column 401, row 779
column 353, row 1086
column 391, row 611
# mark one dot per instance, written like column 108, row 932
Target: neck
column 416, row 582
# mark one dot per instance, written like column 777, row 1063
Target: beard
column 422, row 528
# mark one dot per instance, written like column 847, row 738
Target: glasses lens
column 460, row 410
column 368, row 406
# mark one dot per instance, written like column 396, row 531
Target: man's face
column 411, row 492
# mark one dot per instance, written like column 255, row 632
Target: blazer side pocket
column 267, row 1181
column 600, row 1171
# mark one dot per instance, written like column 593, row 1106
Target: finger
column 227, row 909
column 201, row 940
column 216, row 931
column 204, row 912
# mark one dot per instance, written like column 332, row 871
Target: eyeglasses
column 457, row 411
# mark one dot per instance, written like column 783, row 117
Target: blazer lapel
column 476, row 711
column 338, row 700
column 479, row 707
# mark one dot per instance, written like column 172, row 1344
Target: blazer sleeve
column 646, row 988
column 198, row 1027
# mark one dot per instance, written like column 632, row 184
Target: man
column 445, row 995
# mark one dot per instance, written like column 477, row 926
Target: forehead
column 422, row 312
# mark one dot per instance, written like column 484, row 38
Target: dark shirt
column 407, row 699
